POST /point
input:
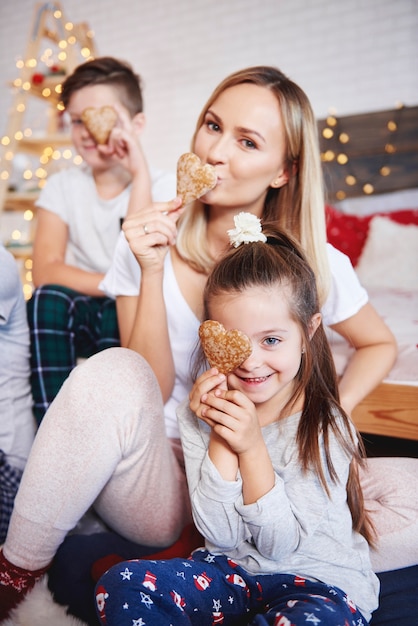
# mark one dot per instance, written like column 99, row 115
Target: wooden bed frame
column 382, row 151
column 390, row 410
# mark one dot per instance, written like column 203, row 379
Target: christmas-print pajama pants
column 206, row 590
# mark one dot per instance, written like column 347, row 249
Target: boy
column 80, row 212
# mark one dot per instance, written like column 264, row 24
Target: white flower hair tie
column 247, row 229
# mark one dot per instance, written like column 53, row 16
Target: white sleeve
column 123, row 276
column 164, row 185
column 346, row 296
column 52, row 197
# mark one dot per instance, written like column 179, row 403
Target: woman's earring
column 303, row 350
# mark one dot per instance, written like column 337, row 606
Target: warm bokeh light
column 331, row 120
column 26, row 162
column 368, row 188
column 339, row 137
column 342, row 158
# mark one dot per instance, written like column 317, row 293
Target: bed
column 371, row 173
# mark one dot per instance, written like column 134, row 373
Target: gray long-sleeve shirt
column 17, row 423
column 295, row 528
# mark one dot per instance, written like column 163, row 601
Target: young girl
column 271, row 461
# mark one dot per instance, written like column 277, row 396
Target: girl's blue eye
column 271, row 341
column 76, row 122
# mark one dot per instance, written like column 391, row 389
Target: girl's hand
column 230, row 413
column 207, row 382
column 151, row 231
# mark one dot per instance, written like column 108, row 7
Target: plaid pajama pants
column 65, row 325
column 9, row 484
column 209, row 589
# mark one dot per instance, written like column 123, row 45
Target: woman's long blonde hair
column 298, row 207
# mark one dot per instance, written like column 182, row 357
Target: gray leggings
column 102, row 443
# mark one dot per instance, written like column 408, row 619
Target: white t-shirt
column 17, row 423
column 346, row 298
column 346, row 295
column 94, row 223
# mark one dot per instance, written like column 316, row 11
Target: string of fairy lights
column 339, row 140
column 41, row 77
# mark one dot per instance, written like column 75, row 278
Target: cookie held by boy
column 99, row 122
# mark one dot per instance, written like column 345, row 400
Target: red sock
column 15, row 583
column 101, row 566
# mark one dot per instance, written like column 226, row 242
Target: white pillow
column 379, row 202
column 390, row 255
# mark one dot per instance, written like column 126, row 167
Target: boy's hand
column 123, row 144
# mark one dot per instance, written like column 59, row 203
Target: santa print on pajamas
column 209, row 589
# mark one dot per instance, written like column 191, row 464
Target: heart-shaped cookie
column 224, row 349
column 99, row 122
column 193, row 178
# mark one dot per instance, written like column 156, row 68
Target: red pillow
column 348, row 232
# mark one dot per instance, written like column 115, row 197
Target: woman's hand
column 151, row 231
column 374, row 355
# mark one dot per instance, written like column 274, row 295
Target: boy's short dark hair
column 106, row 71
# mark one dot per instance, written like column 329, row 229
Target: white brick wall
column 354, row 55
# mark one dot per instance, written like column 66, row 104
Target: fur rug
column 39, row 609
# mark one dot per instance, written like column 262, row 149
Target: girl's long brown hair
column 280, row 262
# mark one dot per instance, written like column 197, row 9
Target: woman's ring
column 146, row 231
